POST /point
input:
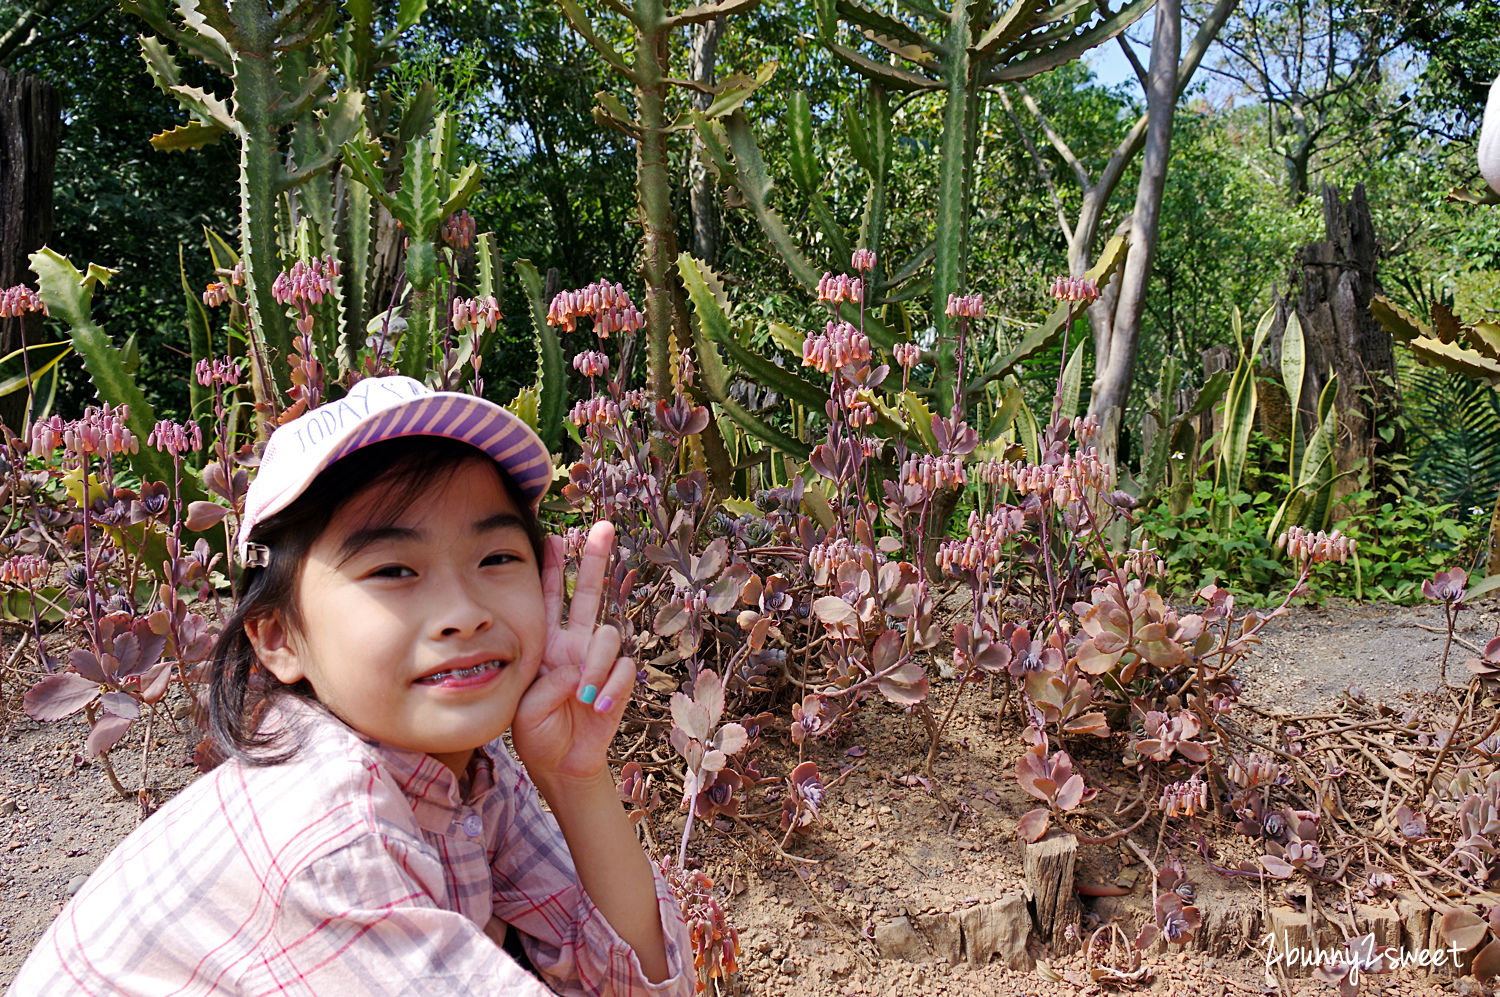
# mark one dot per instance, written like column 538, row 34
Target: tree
column 1116, row 316
column 118, row 202
column 1318, row 68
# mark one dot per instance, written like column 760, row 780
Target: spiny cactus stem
column 256, row 89
column 654, row 188
column 952, row 183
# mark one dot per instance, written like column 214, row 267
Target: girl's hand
column 566, row 720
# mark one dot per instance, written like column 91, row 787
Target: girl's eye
column 500, row 557
column 392, row 571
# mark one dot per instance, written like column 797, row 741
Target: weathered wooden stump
column 1048, row 866
column 997, row 929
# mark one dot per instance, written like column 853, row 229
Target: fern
column 1454, row 437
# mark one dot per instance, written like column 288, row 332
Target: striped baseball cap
column 384, row 408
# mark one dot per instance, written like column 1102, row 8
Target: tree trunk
column 703, row 52
column 1114, row 363
column 1334, row 281
column 30, row 113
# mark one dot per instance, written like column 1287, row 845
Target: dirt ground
column 887, row 846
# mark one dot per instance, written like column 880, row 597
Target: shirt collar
column 431, row 787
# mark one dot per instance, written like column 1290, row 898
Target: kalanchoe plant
column 1360, row 958
column 1052, row 780
column 804, row 795
column 125, row 588
column 1467, row 930
column 714, row 938
column 1299, row 852
column 1175, row 918
column 1448, row 588
column 1487, row 665
column 706, row 748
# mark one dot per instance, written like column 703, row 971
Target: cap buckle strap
column 257, row 555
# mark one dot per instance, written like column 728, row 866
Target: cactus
column 431, row 187
column 550, row 389
column 69, row 295
column 1468, row 348
column 268, row 51
column 716, row 330
column 965, row 48
column 650, row 127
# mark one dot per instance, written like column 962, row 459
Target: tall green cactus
column 271, row 54
column 955, row 52
column 650, row 26
column 69, row 295
column 1468, row 348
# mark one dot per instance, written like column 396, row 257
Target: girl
column 370, row 834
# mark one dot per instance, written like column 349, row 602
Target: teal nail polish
column 588, row 694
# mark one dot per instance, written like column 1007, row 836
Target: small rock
column 898, row 939
column 943, row 934
column 76, row 883
column 7, row 806
column 789, row 967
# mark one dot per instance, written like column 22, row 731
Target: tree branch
column 22, row 34
column 1135, row 62
column 1041, row 164
column 1053, row 138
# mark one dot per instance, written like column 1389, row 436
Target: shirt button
column 472, row 825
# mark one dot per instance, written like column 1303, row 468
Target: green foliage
column 1453, row 434
column 1468, row 348
column 907, row 415
column 551, row 385
column 1199, row 548
column 954, row 54
column 69, row 296
column 1240, row 400
column 645, row 64
column 281, row 62
column 1171, row 444
column 1401, row 545
column 114, row 200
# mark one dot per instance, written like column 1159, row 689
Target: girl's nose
column 461, row 610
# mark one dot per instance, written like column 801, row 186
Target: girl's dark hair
column 238, row 688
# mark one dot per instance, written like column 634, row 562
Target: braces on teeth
column 463, row 672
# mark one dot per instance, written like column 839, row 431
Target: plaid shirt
column 353, row 868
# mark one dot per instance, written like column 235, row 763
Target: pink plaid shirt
column 353, row 868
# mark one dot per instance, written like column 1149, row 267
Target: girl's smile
column 420, row 631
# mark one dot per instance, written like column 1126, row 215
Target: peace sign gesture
column 566, row 719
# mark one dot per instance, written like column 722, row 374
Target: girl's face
column 422, row 632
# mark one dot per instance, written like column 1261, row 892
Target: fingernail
column 588, row 694
column 604, row 704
